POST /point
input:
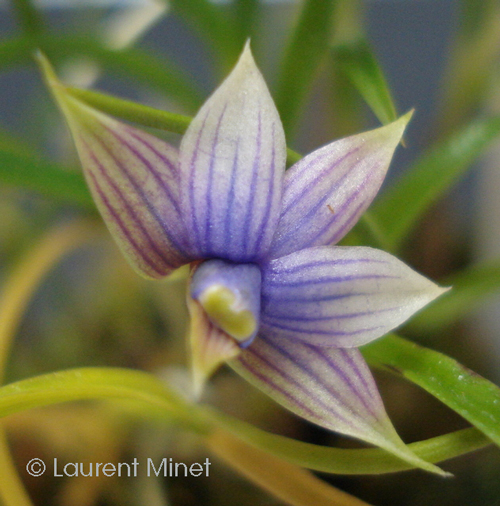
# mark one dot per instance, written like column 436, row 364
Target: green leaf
column 469, row 288
column 306, row 48
column 99, row 383
column 29, row 18
column 14, row 51
column 357, row 61
column 144, row 115
column 213, row 24
column 400, row 207
column 467, row 393
column 471, row 65
column 353, row 461
column 133, row 63
column 132, row 111
column 156, row 400
column 49, row 179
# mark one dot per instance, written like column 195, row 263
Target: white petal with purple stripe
column 133, row 177
column 330, row 387
column 341, row 296
column 232, row 161
column 326, row 192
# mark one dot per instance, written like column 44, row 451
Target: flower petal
column 133, row 177
column 341, row 296
column 328, row 386
column 232, row 161
column 326, row 192
column 210, row 346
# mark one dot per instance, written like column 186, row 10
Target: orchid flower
column 268, row 292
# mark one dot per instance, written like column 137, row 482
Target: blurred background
column 91, row 309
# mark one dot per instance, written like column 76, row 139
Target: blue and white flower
column 269, row 292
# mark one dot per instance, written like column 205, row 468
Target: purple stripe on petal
column 209, row 195
column 196, row 234
column 228, row 223
column 285, row 301
column 336, row 233
column 328, row 280
column 139, row 251
column 340, row 395
column 173, row 168
column 139, row 190
column 162, row 184
column 344, row 175
column 133, row 213
column 276, row 367
column 325, row 262
column 311, row 164
column 232, row 161
column 322, row 201
column 266, row 379
column 335, row 366
column 340, row 296
column 250, row 211
column 290, row 330
column 357, row 365
column 260, row 233
column 318, row 385
column 342, row 316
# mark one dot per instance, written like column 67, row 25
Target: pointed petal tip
column 232, row 161
column 45, row 67
column 50, row 77
column 407, row 117
column 398, row 448
column 246, row 56
column 394, row 130
column 433, row 291
column 71, row 107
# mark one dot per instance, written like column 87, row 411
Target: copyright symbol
column 36, row 467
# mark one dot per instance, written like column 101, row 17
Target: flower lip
column 230, row 295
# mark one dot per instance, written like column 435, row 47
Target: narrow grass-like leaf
column 307, row 47
column 133, row 63
column 132, row 111
column 467, row 393
column 144, row 115
column 470, row 287
column 49, row 179
column 213, row 24
column 98, row 383
column 431, row 176
column 14, row 51
column 471, row 65
column 353, row 461
column 29, row 18
column 156, row 400
column 358, row 62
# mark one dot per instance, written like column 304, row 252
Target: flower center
column 230, row 296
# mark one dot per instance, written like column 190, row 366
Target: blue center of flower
column 230, row 295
